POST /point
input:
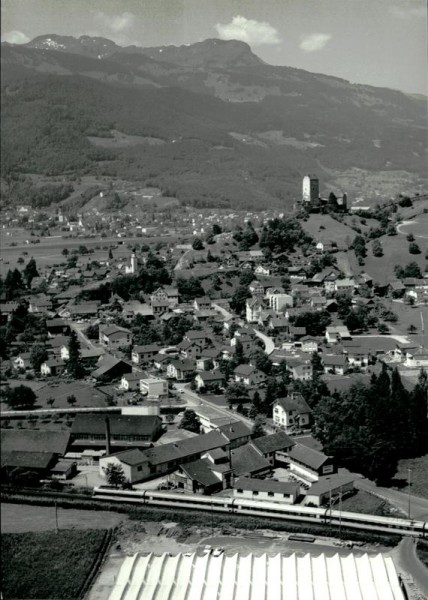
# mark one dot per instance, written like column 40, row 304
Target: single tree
column 21, row 397
column 114, row 474
column 197, row 244
column 65, row 252
column 257, row 430
column 412, row 328
column 414, row 248
column 190, row 421
column 71, row 400
column 38, row 356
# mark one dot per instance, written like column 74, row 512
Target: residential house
column 292, row 412
column 114, row 337
column 209, row 380
column 181, row 370
column 203, row 303
column 201, row 337
column 307, row 344
column 144, row 354
column 191, row 350
column 334, row 364
column 285, row 492
column 249, row 375
column 57, row 327
column 256, row 289
column 417, row 358
column 52, row 367
column 345, row 285
column 336, row 333
column 22, row 361
column 159, row 307
column 130, row 382
column 299, row 368
column 254, row 307
column 166, row 293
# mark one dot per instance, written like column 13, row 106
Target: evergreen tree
column 74, row 365
column 38, row 356
column 30, row 271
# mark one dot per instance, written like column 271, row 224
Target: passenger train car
column 288, row 512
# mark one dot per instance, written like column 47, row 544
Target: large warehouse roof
column 208, row 577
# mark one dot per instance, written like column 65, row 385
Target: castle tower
column 311, row 188
column 134, row 264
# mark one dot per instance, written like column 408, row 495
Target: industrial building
column 237, row 577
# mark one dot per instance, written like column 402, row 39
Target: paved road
column 268, row 341
column 407, row 561
column 418, row 506
column 194, row 400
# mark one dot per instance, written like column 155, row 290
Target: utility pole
column 340, row 514
column 422, row 323
column 409, row 471
column 56, row 517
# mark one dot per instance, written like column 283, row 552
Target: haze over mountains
column 210, row 122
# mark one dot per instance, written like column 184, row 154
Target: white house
column 154, row 388
column 254, row 308
column 292, row 412
column 416, row 358
column 337, row 333
column 249, row 375
column 130, row 381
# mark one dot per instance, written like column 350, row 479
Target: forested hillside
column 218, row 127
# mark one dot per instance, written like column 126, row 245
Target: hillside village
column 201, row 365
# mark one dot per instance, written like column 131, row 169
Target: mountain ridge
column 203, row 101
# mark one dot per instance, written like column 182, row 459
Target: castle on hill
column 313, row 202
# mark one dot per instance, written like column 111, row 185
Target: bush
column 414, row 248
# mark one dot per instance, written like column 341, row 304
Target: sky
column 377, row 42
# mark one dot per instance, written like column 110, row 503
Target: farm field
column 49, row 251
column 86, row 395
column 48, row 565
column 20, row 518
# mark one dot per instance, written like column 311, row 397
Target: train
column 288, row 512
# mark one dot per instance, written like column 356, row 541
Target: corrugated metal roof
column 252, row 577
